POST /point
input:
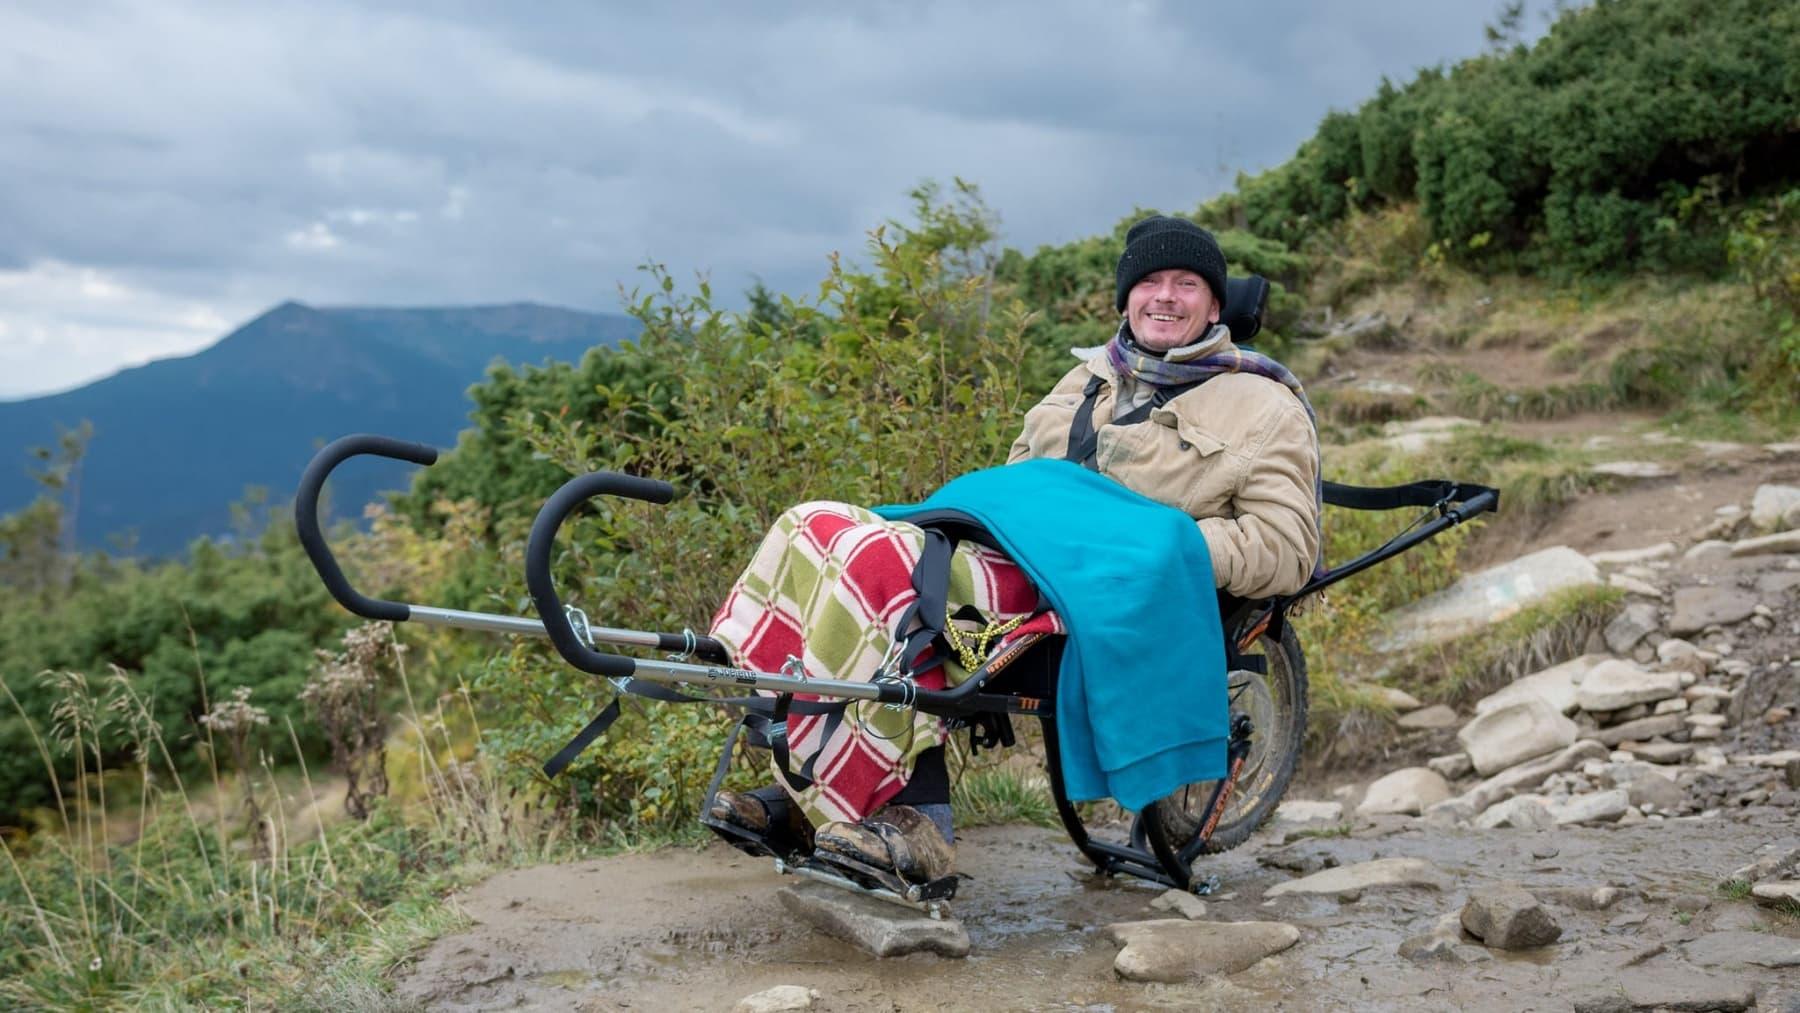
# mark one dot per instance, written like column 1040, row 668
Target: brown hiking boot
column 740, row 809
column 766, row 812
column 898, row 838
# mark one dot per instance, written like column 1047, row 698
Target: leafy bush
column 1573, row 149
column 899, row 378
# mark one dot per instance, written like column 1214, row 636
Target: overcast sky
column 168, row 169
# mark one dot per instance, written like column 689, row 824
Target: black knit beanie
column 1159, row 242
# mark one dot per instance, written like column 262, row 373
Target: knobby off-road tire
column 1276, row 703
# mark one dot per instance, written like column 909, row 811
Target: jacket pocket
column 1164, row 460
column 1209, row 473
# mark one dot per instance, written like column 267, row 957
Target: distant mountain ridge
column 178, row 440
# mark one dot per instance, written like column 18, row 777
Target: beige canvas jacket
column 1237, row 453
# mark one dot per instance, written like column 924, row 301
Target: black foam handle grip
column 312, row 536
column 1480, row 503
column 538, row 579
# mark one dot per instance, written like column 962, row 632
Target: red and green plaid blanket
column 826, row 587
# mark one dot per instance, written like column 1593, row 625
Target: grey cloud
column 348, row 152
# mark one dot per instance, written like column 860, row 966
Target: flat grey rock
column 1430, row 718
column 1482, row 599
column 1523, row 729
column 780, row 999
column 1633, row 623
column 1526, row 776
column 1662, row 752
column 1743, row 949
column 1175, row 950
column 1554, row 685
column 1784, row 542
column 1182, row 903
column 1352, row 880
column 1615, row 685
column 1408, row 791
column 1632, row 469
column 1696, row 608
column 1600, row 807
column 1642, row 729
column 883, row 929
column 1671, row 989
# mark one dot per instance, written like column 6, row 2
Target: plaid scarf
column 1211, row 356
column 1201, row 360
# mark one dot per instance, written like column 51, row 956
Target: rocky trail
column 1620, row 831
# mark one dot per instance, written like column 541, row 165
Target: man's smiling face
column 1169, row 308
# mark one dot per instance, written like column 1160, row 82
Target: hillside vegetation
column 1613, row 207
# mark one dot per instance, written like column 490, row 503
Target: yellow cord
column 972, row 648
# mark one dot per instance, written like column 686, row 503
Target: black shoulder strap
column 1084, row 436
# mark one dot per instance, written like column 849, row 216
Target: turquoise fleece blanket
column 1141, row 706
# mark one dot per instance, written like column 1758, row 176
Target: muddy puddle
column 699, row 930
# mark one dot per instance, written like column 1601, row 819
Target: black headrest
column 1245, row 300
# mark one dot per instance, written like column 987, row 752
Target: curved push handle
column 557, row 509
column 312, row 537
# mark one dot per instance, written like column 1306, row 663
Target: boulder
column 1351, row 880
column 1490, row 596
column 1429, row 718
column 1554, row 685
column 1174, row 950
column 882, row 929
column 1600, row 807
column 1405, row 792
column 1506, row 917
column 1696, row 608
column 1512, row 733
column 1784, row 542
column 1614, row 685
column 1775, row 507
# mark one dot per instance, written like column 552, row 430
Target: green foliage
column 897, row 379
column 1764, row 245
column 1003, row 794
column 1572, row 150
column 184, row 634
column 144, row 893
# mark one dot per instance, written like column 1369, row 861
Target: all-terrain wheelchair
column 1266, row 665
